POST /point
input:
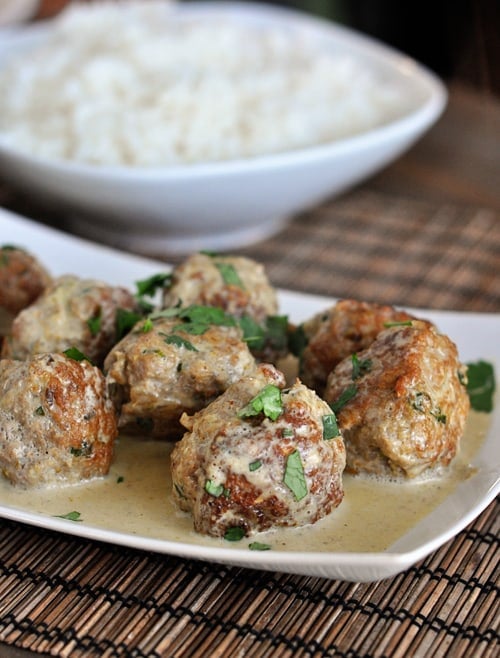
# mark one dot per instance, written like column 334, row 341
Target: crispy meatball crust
column 246, row 458
column 57, row 425
column 72, row 312
column 346, row 328
column 236, row 284
column 156, row 375
column 22, row 279
column 410, row 403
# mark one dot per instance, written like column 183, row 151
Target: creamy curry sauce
column 135, row 499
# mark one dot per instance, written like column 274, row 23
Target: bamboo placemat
column 77, row 598
column 65, row 596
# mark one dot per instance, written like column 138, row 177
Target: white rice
column 131, row 84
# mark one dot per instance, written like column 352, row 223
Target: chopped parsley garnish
column 94, row 323
column 330, row 427
column 345, row 397
column 6, row 248
column 253, row 334
column 422, row 402
column 255, row 465
column 401, row 323
column 147, row 326
column 125, row 320
column 229, row 274
column 213, row 489
column 273, row 334
column 39, row 411
column 277, row 331
column 359, row 368
column 174, row 339
column 70, row 516
column 259, row 546
column 268, row 402
column 120, row 479
column 150, row 286
column 234, row 534
column 297, row 341
column 196, row 319
column 286, row 432
column 294, row 477
column 75, row 354
column 481, row 385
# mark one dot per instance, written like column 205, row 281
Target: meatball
column 346, row 328
column 57, row 424
column 258, row 458
column 22, row 279
column 167, row 366
column 236, row 284
column 72, row 312
column 401, row 403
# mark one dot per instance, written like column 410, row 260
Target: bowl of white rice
column 200, row 125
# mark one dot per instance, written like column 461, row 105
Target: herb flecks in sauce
column 70, row 516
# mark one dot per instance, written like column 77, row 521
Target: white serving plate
column 475, row 334
column 227, row 204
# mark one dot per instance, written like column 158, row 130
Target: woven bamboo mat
column 76, row 598
column 373, row 246
column 65, row 596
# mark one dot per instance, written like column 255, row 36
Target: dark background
column 459, row 40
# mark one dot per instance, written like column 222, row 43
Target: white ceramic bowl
column 230, row 203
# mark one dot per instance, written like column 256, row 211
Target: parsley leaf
column 234, row 534
column 258, row 546
column 344, row 398
column 75, row 354
column 229, row 274
column 174, row 339
column 70, row 516
column 401, row 323
column 124, row 321
column 94, row 323
column 253, row 333
column 213, row 489
column 277, row 331
column 481, row 385
column 294, row 477
column 359, row 368
column 297, row 341
column 268, row 402
column 153, row 283
column 330, row 427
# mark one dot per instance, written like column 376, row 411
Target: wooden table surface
column 424, row 232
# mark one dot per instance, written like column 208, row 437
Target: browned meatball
column 57, row 424
column 256, row 458
column 72, row 312
column 346, row 328
column 22, row 279
column 402, row 403
column 162, row 369
column 236, row 284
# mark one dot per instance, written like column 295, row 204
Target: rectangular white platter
column 477, row 337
